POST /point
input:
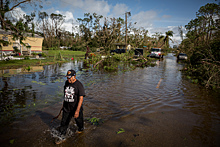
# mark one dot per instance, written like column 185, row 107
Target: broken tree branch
column 98, row 62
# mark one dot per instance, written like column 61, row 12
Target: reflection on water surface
column 122, row 95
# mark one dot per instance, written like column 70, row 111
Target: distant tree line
column 93, row 30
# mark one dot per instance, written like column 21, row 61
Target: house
column 120, row 48
column 32, row 44
column 120, row 45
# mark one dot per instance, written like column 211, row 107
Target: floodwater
column 155, row 106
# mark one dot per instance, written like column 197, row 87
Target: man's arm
column 78, row 107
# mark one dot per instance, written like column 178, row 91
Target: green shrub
column 26, row 58
column 43, row 55
column 34, row 54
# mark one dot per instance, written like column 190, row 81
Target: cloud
column 49, row 11
column 17, row 13
column 69, row 20
column 68, row 15
column 119, row 9
column 166, row 16
column 88, row 6
column 91, row 6
column 176, row 35
column 145, row 19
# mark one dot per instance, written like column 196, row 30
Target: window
column 155, row 50
column 5, row 39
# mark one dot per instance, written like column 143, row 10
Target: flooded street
column 155, row 106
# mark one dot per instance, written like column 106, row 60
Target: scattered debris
column 121, row 130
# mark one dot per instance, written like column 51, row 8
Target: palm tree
column 167, row 38
column 160, row 38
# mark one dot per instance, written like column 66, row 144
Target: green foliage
column 53, row 48
column 5, row 43
column 28, row 46
column 77, row 48
column 202, row 46
column 121, row 130
column 12, row 141
column 16, row 50
column 117, row 57
column 215, row 44
column 40, row 83
column 95, row 121
column 43, row 55
column 110, row 68
column 60, row 57
column 167, row 38
column 195, row 81
column 26, row 58
column 28, row 68
column 34, row 54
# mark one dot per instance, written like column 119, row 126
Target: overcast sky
column 153, row 15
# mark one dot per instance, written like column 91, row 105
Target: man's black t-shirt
column 72, row 92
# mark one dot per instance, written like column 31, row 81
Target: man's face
column 70, row 79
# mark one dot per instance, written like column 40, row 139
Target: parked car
column 181, row 56
column 118, row 51
column 63, row 47
column 156, row 53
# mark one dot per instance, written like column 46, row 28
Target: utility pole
column 72, row 34
column 126, row 28
column 72, row 26
column 126, row 31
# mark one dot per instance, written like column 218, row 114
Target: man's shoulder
column 78, row 82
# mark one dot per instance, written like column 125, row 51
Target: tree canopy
column 202, row 44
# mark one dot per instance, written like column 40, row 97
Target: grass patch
column 52, row 57
column 64, row 53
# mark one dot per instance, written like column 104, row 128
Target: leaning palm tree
column 167, row 38
column 161, row 37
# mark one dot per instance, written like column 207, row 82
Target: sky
column 153, row 15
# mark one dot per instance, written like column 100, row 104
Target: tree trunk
column 2, row 15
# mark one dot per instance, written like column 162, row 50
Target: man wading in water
column 72, row 104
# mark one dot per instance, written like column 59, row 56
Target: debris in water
column 120, row 131
column 12, row 141
column 158, row 85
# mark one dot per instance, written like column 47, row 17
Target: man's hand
column 76, row 114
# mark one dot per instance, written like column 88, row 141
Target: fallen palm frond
column 121, row 130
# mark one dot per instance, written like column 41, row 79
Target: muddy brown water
column 155, row 106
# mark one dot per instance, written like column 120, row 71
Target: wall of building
column 34, row 42
column 8, row 48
